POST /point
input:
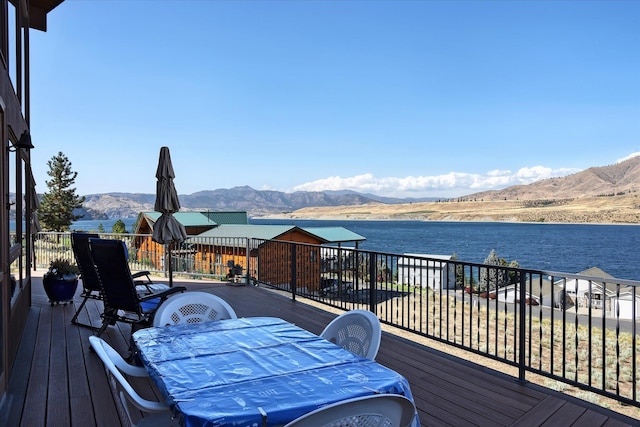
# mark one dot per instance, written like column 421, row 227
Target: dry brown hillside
column 608, row 194
column 620, row 178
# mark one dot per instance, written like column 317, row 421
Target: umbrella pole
column 170, row 266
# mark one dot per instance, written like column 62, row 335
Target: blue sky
column 397, row 98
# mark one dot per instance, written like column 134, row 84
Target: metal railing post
column 522, row 328
column 293, row 271
column 248, row 264
column 372, row 283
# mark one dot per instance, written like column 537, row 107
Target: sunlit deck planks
column 57, row 381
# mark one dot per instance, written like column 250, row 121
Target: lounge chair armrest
column 141, row 274
column 142, row 278
column 164, row 294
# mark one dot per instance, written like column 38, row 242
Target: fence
column 197, row 258
column 576, row 329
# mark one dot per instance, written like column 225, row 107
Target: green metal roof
column 188, row 219
column 269, row 232
column 234, row 224
column 206, row 218
column 252, row 231
column 334, row 234
column 227, row 217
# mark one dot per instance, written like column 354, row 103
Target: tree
column 57, row 206
column 492, row 278
column 459, row 271
column 119, row 227
column 495, row 278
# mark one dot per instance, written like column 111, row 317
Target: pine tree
column 57, row 206
column 119, row 227
column 492, row 278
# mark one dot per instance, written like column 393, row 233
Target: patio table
column 257, row 371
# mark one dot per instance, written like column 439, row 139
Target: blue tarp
column 235, row 372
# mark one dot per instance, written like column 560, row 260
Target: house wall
column 425, row 273
column 274, row 254
column 214, row 259
column 150, row 252
column 625, row 307
column 14, row 120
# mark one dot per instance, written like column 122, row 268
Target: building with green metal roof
column 193, row 222
column 222, row 242
column 319, row 235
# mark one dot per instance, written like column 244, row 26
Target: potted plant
column 60, row 281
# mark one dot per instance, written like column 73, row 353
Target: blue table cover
column 255, row 371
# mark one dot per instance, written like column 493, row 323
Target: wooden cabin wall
column 275, row 265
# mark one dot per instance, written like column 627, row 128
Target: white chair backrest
column 378, row 410
column 358, row 331
column 114, row 365
column 192, row 307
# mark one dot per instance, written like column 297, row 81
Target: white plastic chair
column 155, row 413
column 378, row 410
column 358, row 331
column 192, row 307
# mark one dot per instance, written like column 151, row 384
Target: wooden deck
column 57, row 381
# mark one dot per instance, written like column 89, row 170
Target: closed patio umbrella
column 35, row 205
column 167, row 230
column 35, row 223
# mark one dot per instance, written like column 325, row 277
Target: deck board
column 37, row 388
column 58, row 381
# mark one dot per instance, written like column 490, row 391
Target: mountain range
column 616, row 179
column 243, row 198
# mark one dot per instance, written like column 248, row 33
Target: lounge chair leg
column 105, row 323
column 109, row 317
column 75, row 321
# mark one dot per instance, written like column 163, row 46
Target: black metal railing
column 576, row 329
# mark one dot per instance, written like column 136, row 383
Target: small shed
column 511, row 294
column 426, row 271
column 623, row 305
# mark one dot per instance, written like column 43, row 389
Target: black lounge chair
column 91, row 284
column 122, row 301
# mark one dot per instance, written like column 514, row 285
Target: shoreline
column 587, row 210
column 385, row 218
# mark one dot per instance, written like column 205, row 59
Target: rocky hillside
column 598, row 194
column 608, row 194
column 255, row 202
column 620, row 178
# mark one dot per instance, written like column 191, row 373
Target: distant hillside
column 609, row 194
column 383, row 199
column 618, row 179
column 597, row 182
column 255, row 202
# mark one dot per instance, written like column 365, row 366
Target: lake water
column 568, row 248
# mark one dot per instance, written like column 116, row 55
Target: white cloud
column 629, row 157
column 453, row 184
